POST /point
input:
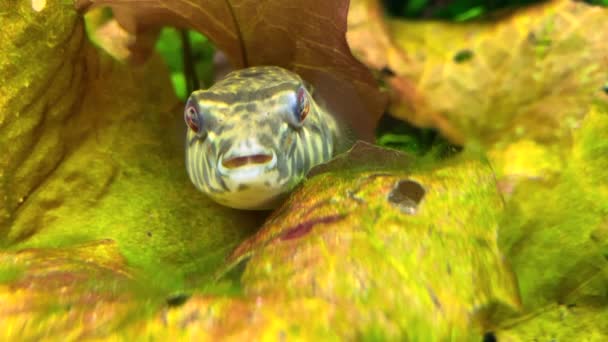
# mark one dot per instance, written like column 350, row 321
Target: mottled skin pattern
column 253, row 136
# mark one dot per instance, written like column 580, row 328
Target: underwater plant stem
column 192, row 81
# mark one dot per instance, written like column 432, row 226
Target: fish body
column 253, row 136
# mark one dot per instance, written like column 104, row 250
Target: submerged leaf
column 422, row 273
column 555, row 228
column 93, row 149
column 305, row 36
column 530, row 74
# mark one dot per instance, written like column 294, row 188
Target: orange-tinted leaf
column 528, row 74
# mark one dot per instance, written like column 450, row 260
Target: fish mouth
column 250, row 168
column 249, row 160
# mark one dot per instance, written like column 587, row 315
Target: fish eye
column 300, row 107
column 192, row 117
column 303, row 104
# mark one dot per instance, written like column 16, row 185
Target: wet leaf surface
column 340, row 238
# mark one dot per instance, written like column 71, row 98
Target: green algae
column 380, row 267
column 549, row 223
column 110, row 167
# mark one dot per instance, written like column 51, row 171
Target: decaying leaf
column 307, row 37
column 530, row 74
column 411, row 255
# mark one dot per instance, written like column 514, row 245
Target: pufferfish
column 254, row 135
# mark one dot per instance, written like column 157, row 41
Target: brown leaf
column 307, row 37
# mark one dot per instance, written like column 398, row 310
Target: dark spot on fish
column 266, row 140
column 221, row 128
column 242, row 187
column 605, row 88
column 177, row 300
column 298, row 160
column 239, row 108
column 251, row 107
column 149, row 234
column 275, row 128
column 325, row 146
column 224, row 146
column 306, row 161
column 206, row 176
column 406, row 195
column 489, row 337
column 283, row 168
column 222, row 183
column 463, row 56
column 245, row 116
column 291, row 143
column 305, row 227
column 314, row 129
column 210, row 186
